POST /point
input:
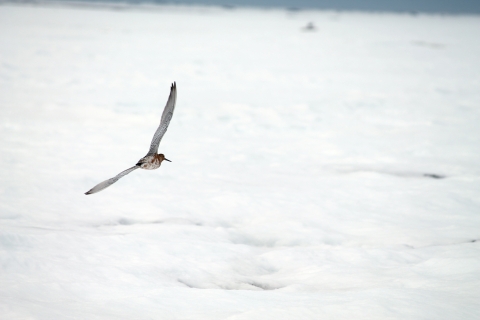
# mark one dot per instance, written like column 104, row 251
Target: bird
column 152, row 160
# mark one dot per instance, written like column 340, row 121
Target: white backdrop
column 298, row 186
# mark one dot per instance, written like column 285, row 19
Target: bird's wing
column 109, row 182
column 166, row 117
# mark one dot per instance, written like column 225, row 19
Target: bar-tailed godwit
column 152, row 160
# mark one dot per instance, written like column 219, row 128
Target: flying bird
column 152, row 160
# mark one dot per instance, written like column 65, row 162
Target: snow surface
column 316, row 175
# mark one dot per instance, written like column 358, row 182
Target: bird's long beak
column 167, row 159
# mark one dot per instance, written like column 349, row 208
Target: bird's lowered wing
column 165, row 120
column 109, row 182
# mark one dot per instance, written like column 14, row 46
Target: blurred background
column 411, row 6
column 325, row 160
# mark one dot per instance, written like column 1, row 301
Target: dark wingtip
column 88, row 192
column 174, row 85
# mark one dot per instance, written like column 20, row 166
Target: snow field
column 297, row 188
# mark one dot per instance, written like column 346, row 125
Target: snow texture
column 318, row 173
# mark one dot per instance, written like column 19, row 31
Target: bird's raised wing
column 166, row 117
column 109, row 182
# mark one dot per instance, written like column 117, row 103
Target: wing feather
column 107, row 183
column 164, row 121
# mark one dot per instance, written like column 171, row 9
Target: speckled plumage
column 152, row 160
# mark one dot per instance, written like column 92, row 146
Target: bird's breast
column 150, row 163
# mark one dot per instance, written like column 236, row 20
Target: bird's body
column 151, row 162
column 153, row 159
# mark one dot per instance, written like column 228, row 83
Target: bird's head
column 162, row 157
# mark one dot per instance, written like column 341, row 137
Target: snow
column 316, row 175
